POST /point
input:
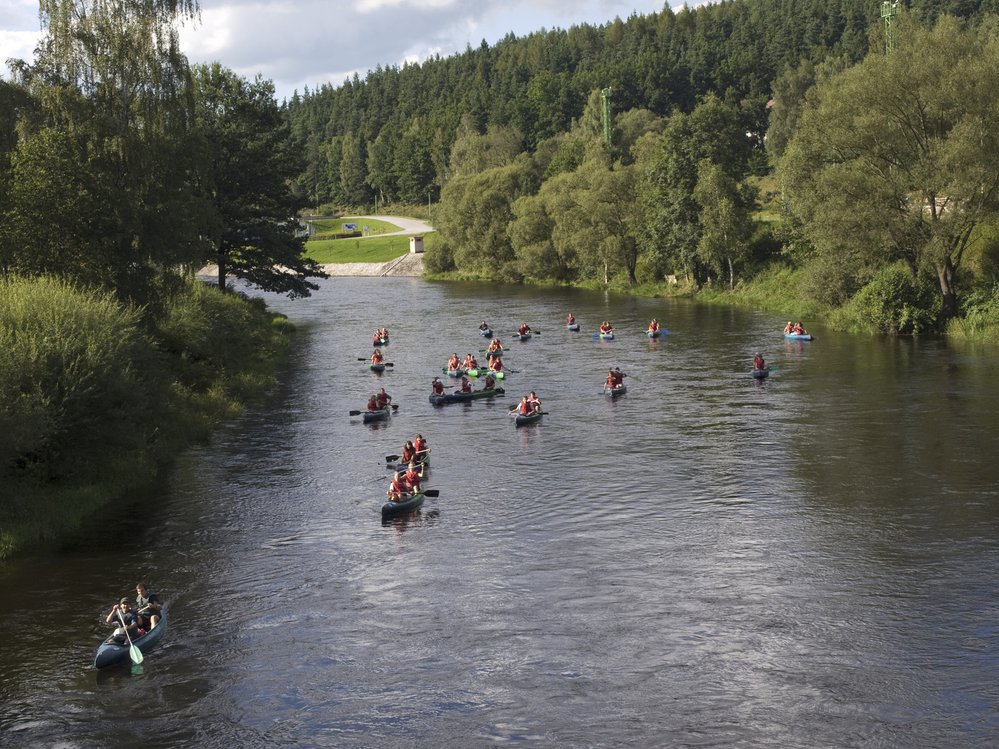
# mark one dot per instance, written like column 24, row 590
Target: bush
column 892, row 302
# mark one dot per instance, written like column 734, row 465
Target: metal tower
column 888, row 12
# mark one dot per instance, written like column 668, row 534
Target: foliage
column 244, row 173
column 94, row 397
column 889, row 163
column 893, row 303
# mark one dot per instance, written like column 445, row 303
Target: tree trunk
column 731, row 274
column 945, row 272
column 221, row 262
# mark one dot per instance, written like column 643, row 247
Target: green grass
column 368, row 250
column 375, row 226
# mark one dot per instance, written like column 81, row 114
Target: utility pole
column 889, row 10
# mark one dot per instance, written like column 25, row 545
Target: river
column 707, row 561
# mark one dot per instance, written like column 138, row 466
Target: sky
column 308, row 43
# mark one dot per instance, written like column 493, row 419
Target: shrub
column 892, row 302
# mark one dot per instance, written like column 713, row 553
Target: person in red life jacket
column 408, row 452
column 610, row 378
column 570, row 320
column 533, row 400
column 524, row 408
column 437, row 386
column 798, row 330
column 466, row 386
column 470, row 362
column 606, row 327
column 373, row 403
column 453, row 363
column 413, row 476
column 524, row 329
column 496, row 364
column 789, row 328
column 383, row 334
column 494, row 345
column 376, row 356
column 618, row 377
column 758, row 362
column 383, row 398
column 654, row 326
column 398, row 489
column 490, row 383
column 421, row 446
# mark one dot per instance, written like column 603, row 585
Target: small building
column 415, row 245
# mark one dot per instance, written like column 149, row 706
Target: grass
column 375, row 226
column 367, row 250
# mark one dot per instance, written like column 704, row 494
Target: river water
column 807, row 561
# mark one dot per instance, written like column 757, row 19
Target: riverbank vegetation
column 722, row 150
column 122, row 170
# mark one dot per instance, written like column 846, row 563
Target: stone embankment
column 407, row 265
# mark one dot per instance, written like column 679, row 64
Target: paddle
column 395, row 407
column 133, row 652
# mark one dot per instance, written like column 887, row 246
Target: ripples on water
column 706, row 561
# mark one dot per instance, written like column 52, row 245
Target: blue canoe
column 761, row 374
column 110, row 652
column 377, row 368
column 393, row 507
column 523, row 419
column 799, row 337
column 378, row 415
column 572, row 326
column 605, row 336
column 657, row 333
column 487, row 333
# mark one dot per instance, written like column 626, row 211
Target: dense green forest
column 717, row 167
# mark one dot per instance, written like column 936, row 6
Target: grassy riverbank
column 96, row 398
column 368, row 250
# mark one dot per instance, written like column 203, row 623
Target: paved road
column 406, row 225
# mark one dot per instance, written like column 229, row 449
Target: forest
column 696, row 146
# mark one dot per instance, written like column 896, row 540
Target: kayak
column 528, row 418
column 657, row 333
column 605, row 336
column 379, row 341
column 376, row 367
column 487, row 333
column 484, row 372
column 378, row 415
column 110, row 652
column 454, row 372
column 393, row 507
column 614, row 392
column 799, row 336
column 440, row 400
column 761, row 374
column 522, row 336
column 572, row 326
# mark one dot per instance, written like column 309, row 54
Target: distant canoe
column 615, row 392
column 523, row 419
column 377, row 415
column 572, row 326
column 799, row 336
column 392, row 507
column 377, row 368
column 487, row 333
column 441, row 400
column 761, row 374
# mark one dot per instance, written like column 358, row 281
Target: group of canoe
column 605, row 331
column 792, row 331
column 405, row 491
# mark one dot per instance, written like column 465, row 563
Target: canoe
column 761, row 374
column 391, row 507
column 379, row 341
column 657, row 333
column 487, row 333
column 440, row 400
column 110, row 652
column 572, row 326
column 454, row 372
column 605, row 336
column 376, row 367
column 529, row 418
column 497, row 352
column 483, row 372
column 799, row 337
column 614, row 392
column 523, row 336
column 379, row 415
